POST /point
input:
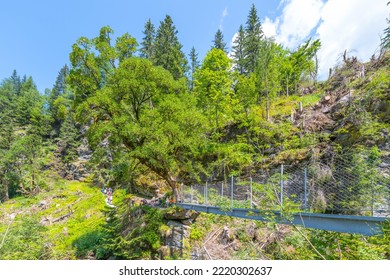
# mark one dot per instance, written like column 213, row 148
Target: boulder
column 181, row 214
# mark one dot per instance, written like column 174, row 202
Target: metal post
column 171, row 243
column 231, row 193
column 251, row 192
column 281, row 186
column 206, row 192
column 372, row 198
column 192, row 193
column 305, row 185
column 222, row 190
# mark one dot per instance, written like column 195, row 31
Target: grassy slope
column 34, row 233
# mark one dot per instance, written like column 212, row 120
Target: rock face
column 78, row 170
column 184, row 216
column 84, row 152
column 179, row 221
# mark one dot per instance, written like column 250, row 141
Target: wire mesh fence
column 342, row 187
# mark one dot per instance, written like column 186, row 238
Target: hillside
column 63, row 222
column 143, row 120
column 67, row 219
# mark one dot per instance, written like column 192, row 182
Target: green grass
column 73, row 237
column 284, row 105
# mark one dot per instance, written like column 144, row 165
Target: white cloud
column 270, row 27
column 352, row 25
column 224, row 14
column 231, row 43
column 297, row 21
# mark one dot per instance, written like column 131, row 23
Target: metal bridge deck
column 341, row 223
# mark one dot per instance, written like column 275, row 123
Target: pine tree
column 60, row 99
column 28, row 103
column 194, row 65
column 59, row 89
column 60, row 84
column 167, row 51
column 218, row 41
column 252, row 41
column 16, row 82
column 69, row 140
column 238, row 51
column 147, row 44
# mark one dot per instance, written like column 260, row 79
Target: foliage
column 238, row 51
column 140, row 241
column 218, row 41
column 144, row 112
column 252, row 40
column 31, row 236
column 385, row 42
column 24, row 123
column 147, row 49
column 299, row 65
column 93, row 61
column 148, row 119
column 68, row 140
column 26, row 240
column 368, row 185
column 60, row 97
column 167, row 49
column 194, row 65
column 213, row 87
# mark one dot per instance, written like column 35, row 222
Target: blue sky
column 37, row 35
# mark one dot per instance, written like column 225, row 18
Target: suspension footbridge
column 338, row 199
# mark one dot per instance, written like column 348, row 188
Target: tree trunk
column 176, row 194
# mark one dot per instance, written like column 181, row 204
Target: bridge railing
column 317, row 188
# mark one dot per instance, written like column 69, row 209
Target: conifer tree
column 59, row 90
column 69, row 140
column 252, row 41
column 16, row 82
column 28, row 103
column 238, row 51
column 60, row 84
column 193, row 66
column 167, row 51
column 147, row 43
column 218, row 41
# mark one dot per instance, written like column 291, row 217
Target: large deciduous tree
column 299, row 65
column 94, row 60
column 213, row 87
column 143, row 111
